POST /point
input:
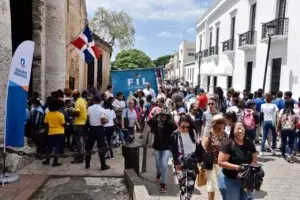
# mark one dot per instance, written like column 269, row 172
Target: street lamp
column 198, row 57
column 271, row 31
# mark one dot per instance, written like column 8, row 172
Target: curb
column 135, row 186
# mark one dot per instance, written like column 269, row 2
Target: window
column 215, row 81
column 210, row 39
column 232, row 28
column 281, row 9
column 90, row 77
column 200, row 43
column 191, row 54
column 253, row 17
column 249, row 76
column 217, row 40
column 208, row 83
column 229, row 82
column 275, row 74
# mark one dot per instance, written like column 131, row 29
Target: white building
column 232, row 36
column 186, row 55
column 172, row 67
column 189, row 73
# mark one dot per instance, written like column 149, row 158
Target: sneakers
column 46, row 162
column 261, row 154
column 163, row 188
column 105, row 167
column 157, row 180
column 289, row 159
column 87, row 165
column 273, row 152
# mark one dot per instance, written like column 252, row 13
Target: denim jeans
column 297, row 141
column 231, row 189
column 161, row 159
column 287, row 134
column 251, row 134
column 268, row 125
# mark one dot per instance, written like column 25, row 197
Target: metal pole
column 267, row 59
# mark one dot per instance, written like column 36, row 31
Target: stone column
column 105, row 70
column 55, row 46
column 39, row 37
column 5, row 58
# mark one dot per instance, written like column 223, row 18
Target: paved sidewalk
column 23, row 188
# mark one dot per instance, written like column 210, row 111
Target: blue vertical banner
column 127, row 81
column 17, row 91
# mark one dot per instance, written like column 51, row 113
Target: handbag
column 202, row 177
column 190, row 161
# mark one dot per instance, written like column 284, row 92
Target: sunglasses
column 185, row 127
column 210, row 104
column 220, row 122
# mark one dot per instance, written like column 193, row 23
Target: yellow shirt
column 81, row 107
column 55, row 121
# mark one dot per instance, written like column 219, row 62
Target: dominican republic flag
column 85, row 43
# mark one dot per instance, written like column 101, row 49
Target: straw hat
column 218, row 117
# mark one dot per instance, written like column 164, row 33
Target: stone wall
column 55, row 46
column 76, row 21
column 39, row 37
column 5, row 57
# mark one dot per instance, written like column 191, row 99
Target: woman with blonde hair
column 212, row 144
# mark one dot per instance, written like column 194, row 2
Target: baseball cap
column 200, row 90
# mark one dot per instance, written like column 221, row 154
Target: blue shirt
column 259, row 102
column 279, row 103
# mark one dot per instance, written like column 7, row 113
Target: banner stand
column 16, row 98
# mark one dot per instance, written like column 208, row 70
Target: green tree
column 114, row 27
column 162, row 61
column 132, row 59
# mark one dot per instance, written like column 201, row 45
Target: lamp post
column 198, row 57
column 271, row 31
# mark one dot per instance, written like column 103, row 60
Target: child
column 55, row 121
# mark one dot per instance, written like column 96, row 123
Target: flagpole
column 77, row 35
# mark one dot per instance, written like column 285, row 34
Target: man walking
column 149, row 91
column 96, row 132
column 80, row 113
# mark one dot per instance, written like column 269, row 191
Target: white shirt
column 96, row 113
column 269, row 111
column 169, row 104
column 109, row 94
column 131, row 115
column 188, row 145
column 151, row 92
column 110, row 116
column 161, row 96
column 119, row 104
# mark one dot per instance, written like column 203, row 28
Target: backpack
column 288, row 122
column 248, row 120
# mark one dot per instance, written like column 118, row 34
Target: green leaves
column 132, row 59
column 114, row 27
column 162, row 61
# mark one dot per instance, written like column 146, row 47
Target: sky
column 160, row 25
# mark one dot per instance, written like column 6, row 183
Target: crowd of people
column 215, row 131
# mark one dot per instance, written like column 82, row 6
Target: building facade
column 186, row 54
column 52, row 25
column 189, row 73
column 233, row 38
column 172, row 68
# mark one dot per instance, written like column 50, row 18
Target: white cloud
column 144, row 10
column 191, row 30
column 167, row 34
column 140, row 38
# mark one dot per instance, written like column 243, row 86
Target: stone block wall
column 5, row 58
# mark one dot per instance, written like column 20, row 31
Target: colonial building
column 186, row 54
column 52, row 25
column 232, row 37
column 172, row 68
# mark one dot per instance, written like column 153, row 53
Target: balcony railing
column 281, row 27
column 205, row 53
column 213, row 50
column 247, row 38
column 228, row 45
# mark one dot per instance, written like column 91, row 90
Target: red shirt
column 202, row 101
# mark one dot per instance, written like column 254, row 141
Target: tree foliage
column 162, row 61
column 132, row 59
column 114, row 27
